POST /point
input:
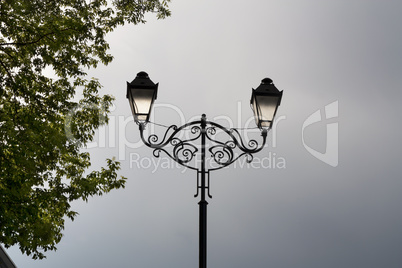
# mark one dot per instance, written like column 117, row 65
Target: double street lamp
column 265, row 100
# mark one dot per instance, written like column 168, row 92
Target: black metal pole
column 203, row 203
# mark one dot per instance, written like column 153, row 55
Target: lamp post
column 265, row 99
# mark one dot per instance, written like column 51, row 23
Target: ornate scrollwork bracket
column 184, row 150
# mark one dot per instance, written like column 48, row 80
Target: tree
column 42, row 169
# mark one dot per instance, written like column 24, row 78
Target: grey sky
column 207, row 56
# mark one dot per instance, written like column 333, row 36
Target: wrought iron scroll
column 223, row 153
column 183, row 151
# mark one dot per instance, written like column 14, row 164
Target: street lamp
column 141, row 93
column 265, row 99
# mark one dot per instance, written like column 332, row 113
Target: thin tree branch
column 32, row 42
column 8, row 72
column 8, row 54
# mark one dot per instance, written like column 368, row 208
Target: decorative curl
column 230, row 144
column 195, row 130
column 153, row 139
column 253, row 144
column 222, row 154
column 184, row 152
column 175, row 141
column 211, row 130
column 157, row 153
column 249, row 157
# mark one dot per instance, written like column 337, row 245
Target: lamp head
column 141, row 94
column 265, row 100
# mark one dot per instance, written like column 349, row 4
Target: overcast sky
column 330, row 198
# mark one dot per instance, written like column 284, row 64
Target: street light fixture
column 141, row 93
column 265, row 99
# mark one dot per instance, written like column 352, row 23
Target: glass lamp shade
column 141, row 94
column 265, row 100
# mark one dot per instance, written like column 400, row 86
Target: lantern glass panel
column 141, row 102
column 266, row 108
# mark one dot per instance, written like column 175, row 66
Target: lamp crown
column 142, row 80
column 142, row 75
column 267, row 87
column 266, row 81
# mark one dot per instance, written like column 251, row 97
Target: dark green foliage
column 42, row 130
